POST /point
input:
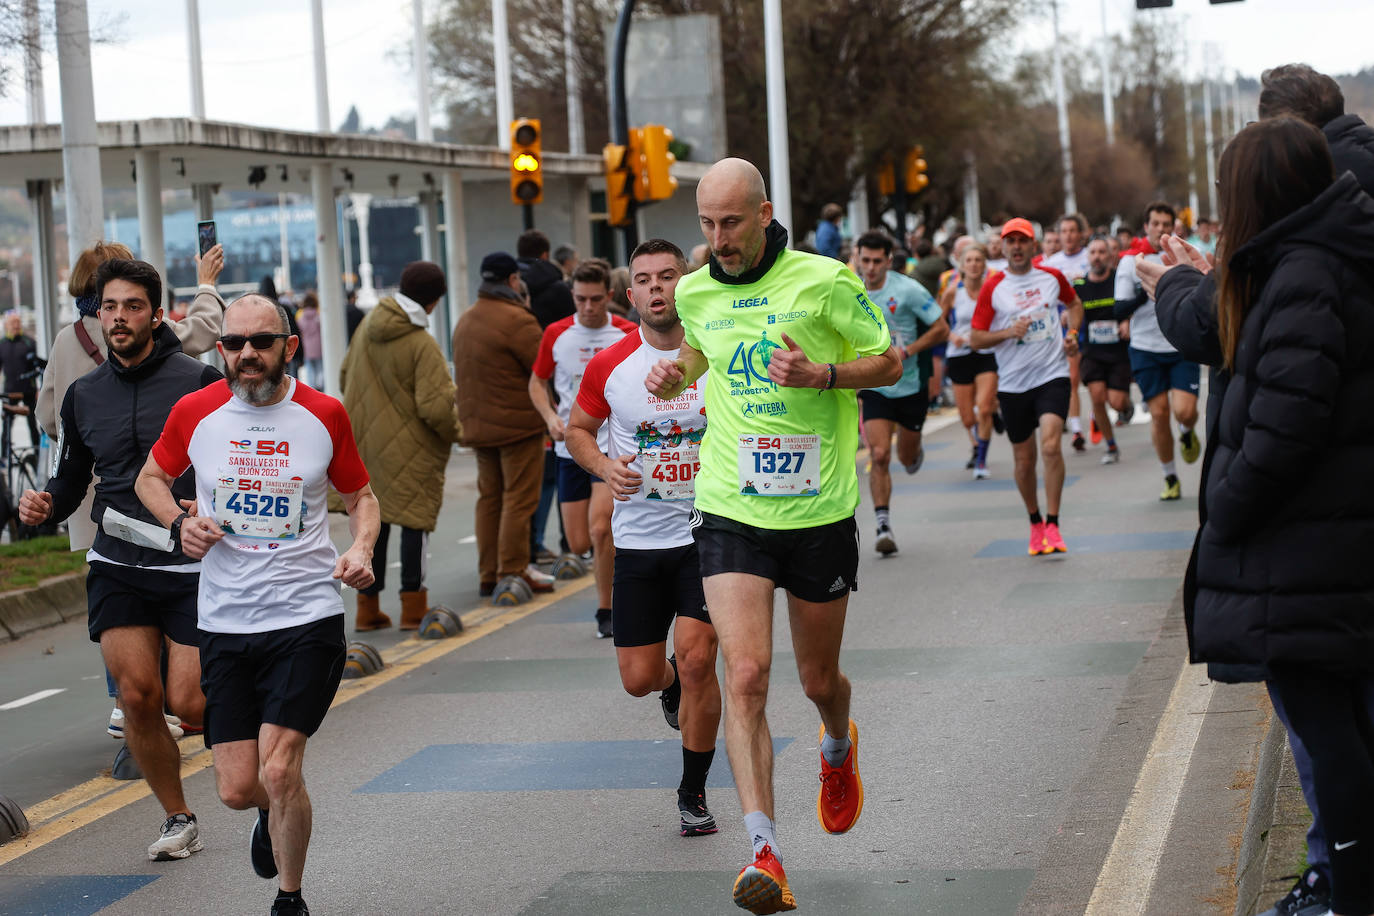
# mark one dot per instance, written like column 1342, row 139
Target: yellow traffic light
column 658, row 162
column 618, row 188
column 914, row 170
column 887, row 178
column 526, row 162
column 638, row 166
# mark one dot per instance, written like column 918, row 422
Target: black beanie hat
column 423, row 282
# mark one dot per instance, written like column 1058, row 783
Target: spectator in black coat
column 550, row 295
column 1300, row 92
column 1281, row 576
column 19, row 370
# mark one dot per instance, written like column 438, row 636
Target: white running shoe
column 1112, row 457
column 536, row 576
column 886, row 544
column 180, row 837
column 116, row 727
column 981, row 473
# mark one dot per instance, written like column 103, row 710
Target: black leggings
column 1330, row 716
column 413, row 544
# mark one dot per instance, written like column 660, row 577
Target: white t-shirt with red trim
column 1072, row 266
column 564, row 351
column 664, row 436
column 1038, row 357
column 262, row 473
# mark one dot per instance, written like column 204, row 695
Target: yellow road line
column 81, row 805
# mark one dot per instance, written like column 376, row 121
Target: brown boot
column 370, row 616
column 414, row 607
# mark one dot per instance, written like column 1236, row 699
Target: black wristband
column 175, row 528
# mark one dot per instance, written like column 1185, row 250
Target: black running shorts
column 280, row 677
column 1021, row 411
column 908, row 411
column 962, row 370
column 815, row 564
column 127, row 596
column 651, row 587
column 1114, row 370
column 574, row 484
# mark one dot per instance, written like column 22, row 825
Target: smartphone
column 205, row 229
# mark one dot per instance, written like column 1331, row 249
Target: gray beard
column 260, row 392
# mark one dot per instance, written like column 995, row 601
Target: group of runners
column 707, row 456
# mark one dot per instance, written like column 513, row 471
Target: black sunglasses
column 234, row 342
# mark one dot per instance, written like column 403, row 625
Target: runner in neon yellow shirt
column 789, row 337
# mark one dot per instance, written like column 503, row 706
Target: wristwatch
column 176, row 527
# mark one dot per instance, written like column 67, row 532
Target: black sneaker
column 1310, row 896
column 290, row 906
column 998, row 426
column 260, row 849
column 672, row 697
column 696, row 818
column 1079, row 443
column 972, row 459
column 603, row 623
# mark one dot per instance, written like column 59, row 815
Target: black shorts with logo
column 650, row 589
column 816, row 564
column 282, row 677
column 908, row 411
column 1022, row 410
column 139, row 596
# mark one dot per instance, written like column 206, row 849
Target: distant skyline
column 258, row 66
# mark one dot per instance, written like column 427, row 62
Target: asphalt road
column 506, row 772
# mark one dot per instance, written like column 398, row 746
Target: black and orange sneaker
column 841, row 798
column 762, row 885
column 695, row 816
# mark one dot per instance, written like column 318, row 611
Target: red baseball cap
column 1018, row 225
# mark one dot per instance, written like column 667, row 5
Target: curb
column 47, row 604
column 1252, row 858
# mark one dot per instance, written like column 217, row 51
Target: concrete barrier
column 47, row 604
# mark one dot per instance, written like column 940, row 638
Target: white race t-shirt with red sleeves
column 564, row 351
column 261, row 472
column 1038, row 357
column 664, row 436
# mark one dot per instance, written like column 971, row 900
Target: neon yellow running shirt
column 775, row 457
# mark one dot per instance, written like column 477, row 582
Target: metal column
column 779, row 158
column 45, row 294
column 333, row 320
column 80, row 146
column 455, row 252
column 148, row 178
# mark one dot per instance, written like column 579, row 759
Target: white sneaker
column 886, row 544
column 116, row 727
column 1112, row 456
column 981, row 473
column 537, row 576
column 180, row 837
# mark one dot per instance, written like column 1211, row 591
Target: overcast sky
column 258, row 69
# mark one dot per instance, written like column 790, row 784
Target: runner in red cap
column 1018, row 318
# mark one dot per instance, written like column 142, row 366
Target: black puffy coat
column 1352, row 147
column 550, row 296
column 1283, row 576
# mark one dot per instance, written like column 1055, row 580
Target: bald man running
column 790, row 335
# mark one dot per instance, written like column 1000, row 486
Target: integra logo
column 749, row 303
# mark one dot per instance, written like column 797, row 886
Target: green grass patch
column 26, row 563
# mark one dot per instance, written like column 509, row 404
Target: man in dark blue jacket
column 141, row 589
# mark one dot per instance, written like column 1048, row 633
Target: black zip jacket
column 110, row 418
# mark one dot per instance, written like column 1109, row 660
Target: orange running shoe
column 841, row 798
column 1097, row 433
column 1037, row 540
column 762, row 886
column 1053, row 542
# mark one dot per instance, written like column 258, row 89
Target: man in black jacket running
column 141, row 589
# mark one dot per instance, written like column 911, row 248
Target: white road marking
column 470, row 539
column 1123, row 885
column 32, row 698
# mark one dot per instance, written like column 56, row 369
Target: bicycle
column 20, row 474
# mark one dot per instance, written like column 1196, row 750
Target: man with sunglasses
column 141, row 589
column 271, row 619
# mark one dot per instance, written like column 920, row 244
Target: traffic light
column 658, row 162
column 638, row 165
column 914, row 170
column 619, row 190
column 887, row 177
column 526, row 162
